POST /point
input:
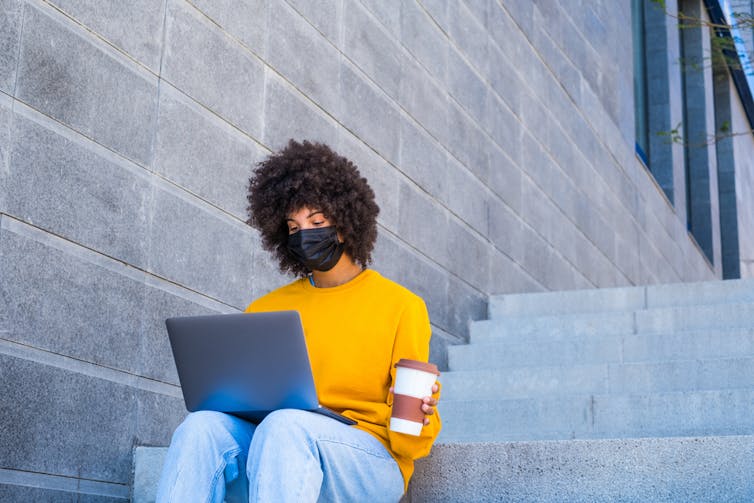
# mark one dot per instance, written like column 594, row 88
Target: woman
column 317, row 215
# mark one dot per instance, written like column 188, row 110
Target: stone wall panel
column 11, row 12
column 67, row 74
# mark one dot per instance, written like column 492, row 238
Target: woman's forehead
column 304, row 212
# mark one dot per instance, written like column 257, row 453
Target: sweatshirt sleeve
column 412, row 341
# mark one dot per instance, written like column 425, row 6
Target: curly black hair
column 311, row 175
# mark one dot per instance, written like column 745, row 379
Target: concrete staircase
column 642, row 394
column 625, row 394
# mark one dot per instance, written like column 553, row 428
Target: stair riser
column 689, row 345
column 524, row 382
column 656, row 321
column 657, row 470
column 601, row 416
column 551, row 328
column 597, row 349
column 685, row 319
column 574, row 352
column 600, row 379
column 621, row 299
column 553, row 303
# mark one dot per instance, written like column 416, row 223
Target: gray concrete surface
column 709, row 469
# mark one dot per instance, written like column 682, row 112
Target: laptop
column 245, row 364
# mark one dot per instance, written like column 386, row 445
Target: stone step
column 621, row 299
column 677, row 319
column 642, row 470
column 650, row 321
column 551, row 327
column 594, row 349
column 613, row 378
column 147, row 467
column 687, row 413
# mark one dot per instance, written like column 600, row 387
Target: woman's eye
column 292, row 230
column 318, row 223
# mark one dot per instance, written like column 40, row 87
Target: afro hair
column 311, row 175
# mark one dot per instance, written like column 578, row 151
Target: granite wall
column 497, row 134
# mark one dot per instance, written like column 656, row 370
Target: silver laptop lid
column 244, row 364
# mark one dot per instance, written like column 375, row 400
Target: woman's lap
column 300, row 454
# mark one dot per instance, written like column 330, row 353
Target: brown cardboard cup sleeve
column 408, row 408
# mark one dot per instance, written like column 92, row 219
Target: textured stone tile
column 245, row 20
column 506, row 35
column 522, row 12
column 61, row 303
column 200, row 249
column 508, row 276
column 468, row 142
column 40, row 495
column 325, row 15
column 289, row 115
column 472, row 210
column 424, row 100
column 547, row 266
column 318, row 74
column 504, row 80
column 370, row 114
column 422, row 37
column 207, row 156
column 502, row 125
column 423, row 224
column 372, row 48
column 265, row 276
column 469, row 34
column 75, row 79
column 162, row 302
column 468, row 255
column 66, row 423
column 388, row 12
column 504, row 178
column 464, row 304
column 479, row 9
column 466, row 86
column 212, row 68
column 438, row 10
column 599, row 231
column 424, row 160
column 10, row 35
column 74, row 188
column 505, row 229
column 438, row 348
column 157, row 418
column 384, row 179
column 5, row 143
column 135, row 27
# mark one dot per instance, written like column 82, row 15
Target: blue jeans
column 292, row 455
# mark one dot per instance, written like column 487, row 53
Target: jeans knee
column 202, row 423
column 284, row 423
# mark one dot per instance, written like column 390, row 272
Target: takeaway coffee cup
column 413, row 381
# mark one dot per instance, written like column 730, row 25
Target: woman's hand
column 428, row 407
column 429, row 404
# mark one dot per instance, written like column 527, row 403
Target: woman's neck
column 343, row 272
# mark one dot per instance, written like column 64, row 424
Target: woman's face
column 306, row 218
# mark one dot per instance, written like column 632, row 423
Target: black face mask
column 318, row 249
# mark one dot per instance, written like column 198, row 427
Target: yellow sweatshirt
column 355, row 333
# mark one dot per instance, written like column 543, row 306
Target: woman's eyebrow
column 310, row 215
